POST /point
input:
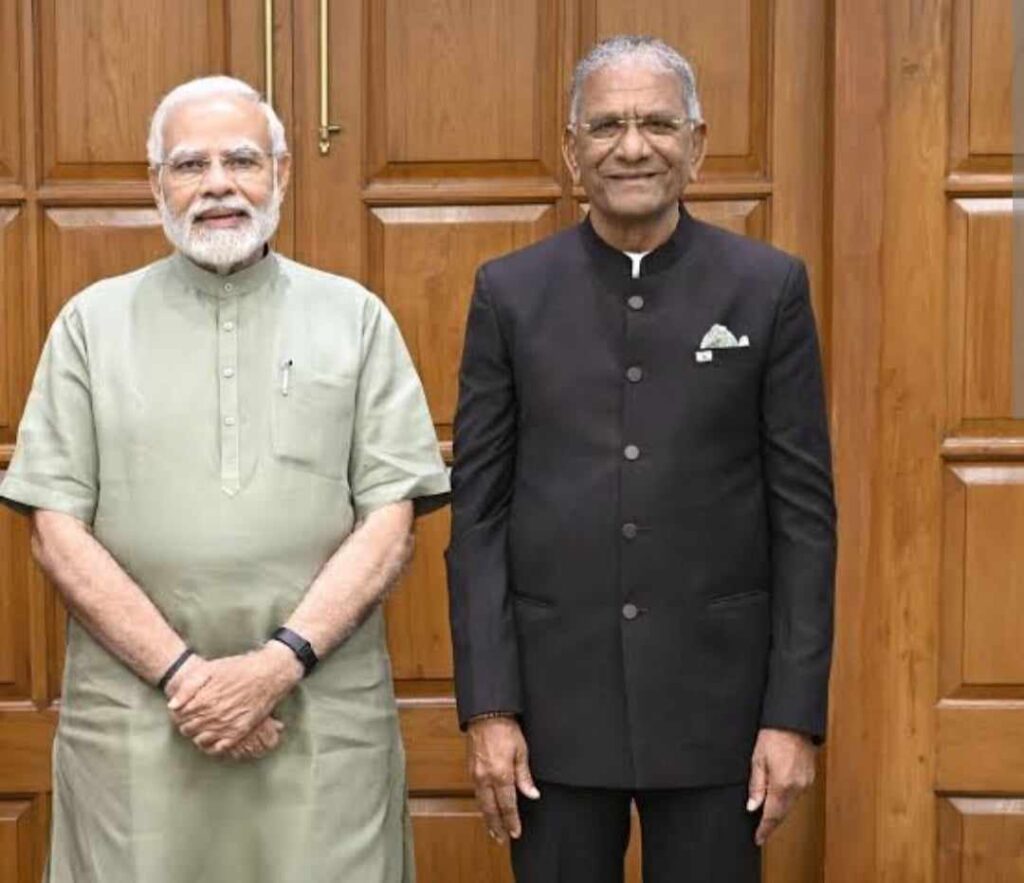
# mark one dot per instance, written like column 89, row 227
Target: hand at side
column 498, row 764
column 782, row 768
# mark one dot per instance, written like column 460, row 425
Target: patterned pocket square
column 721, row 338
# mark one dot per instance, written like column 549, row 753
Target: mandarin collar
column 244, row 281
column 610, row 259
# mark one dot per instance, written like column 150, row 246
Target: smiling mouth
column 222, row 217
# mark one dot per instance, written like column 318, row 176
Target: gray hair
column 649, row 49
column 210, row 87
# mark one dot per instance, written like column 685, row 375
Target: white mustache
column 231, row 204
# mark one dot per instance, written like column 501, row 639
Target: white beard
column 222, row 249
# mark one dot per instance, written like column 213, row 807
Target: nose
column 632, row 145
column 217, row 182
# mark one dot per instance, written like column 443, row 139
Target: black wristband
column 302, row 649
column 173, row 669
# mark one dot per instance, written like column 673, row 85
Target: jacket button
column 631, row 452
column 630, row 611
column 629, row 530
column 634, row 374
column 635, row 302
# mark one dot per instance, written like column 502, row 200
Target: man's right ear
column 154, row 184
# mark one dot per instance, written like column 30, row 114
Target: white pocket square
column 721, row 338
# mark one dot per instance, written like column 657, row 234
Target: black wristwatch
column 302, row 649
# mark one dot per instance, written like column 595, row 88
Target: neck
column 636, row 235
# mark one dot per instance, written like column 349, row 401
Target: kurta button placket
column 631, row 452
column 630, row 611
column 634, row 374
column 635, row 302
column 227, row 363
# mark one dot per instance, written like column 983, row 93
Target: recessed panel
column 994, row 578
column 84, row 245
column 744, row 216
column 463, row 88
column 452, row 843
column 18, row 834
column 986, row 324
column 981, row 840
column 423, row 263
column 12, row 244
column 104, row 66
column 991, row 107
column 15, row 627
column 419, row 638
column 728, row 44
column 434, row 751
column 11, row 123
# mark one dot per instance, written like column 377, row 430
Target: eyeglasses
column 651, row 126
column 240, row 165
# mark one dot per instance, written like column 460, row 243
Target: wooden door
column 450, row 117
column 926, row 759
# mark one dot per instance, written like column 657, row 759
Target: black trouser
column 690, row 835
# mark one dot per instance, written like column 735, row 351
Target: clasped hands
column 224, row 705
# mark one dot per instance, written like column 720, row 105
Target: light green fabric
column 161, row 414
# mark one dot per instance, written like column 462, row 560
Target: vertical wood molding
column 889, row 269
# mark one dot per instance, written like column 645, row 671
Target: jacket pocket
column 741, row 599
column 311, row 420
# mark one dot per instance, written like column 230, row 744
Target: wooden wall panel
column 417, row 613
column 15, row 634
column 434, row 751
column 991, row 126
column 452, row 843
column 19, row 836
column 748, row 217
column 728, row 42
column 981, row 117
column 83, row 245
column 463, row 88
column 984, row 330
column 10, row 92
column 978, row 746
column 982, row 840
column 423, row 261
column 12, row 251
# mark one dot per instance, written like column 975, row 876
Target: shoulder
column 747, row 259
column 536, row 261
column 108, row 299
column 337, row 296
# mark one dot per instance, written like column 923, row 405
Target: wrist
column 283, row 663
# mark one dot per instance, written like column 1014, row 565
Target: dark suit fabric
column 690, row 835
column 729, row 561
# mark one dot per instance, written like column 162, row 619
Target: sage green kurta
column 221, row 435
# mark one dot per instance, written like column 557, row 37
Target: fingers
column 776, row 806
column 524, row 779
column 506, row 797
column 488, row 803
column 193, row 679
column 758, row 787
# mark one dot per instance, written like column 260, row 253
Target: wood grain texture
column 25, row 738
column 82, row 246
column 423, row 262
column 12, row 258
column 981, row 314
column 419, row 639
column 434, row 750
column 988, row 840
column 993, row 577
column 991, row 60
column 11, row 118
column 728, row 43
column 452, row 844
column 890, row 141
column 19, row 836
column 748, row 217
column 979, row 746
column 15, row 636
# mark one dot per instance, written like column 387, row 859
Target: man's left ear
column 284, row 172
column 698, row 148
column 569, row 154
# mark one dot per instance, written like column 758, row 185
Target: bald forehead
column 216, row 122
column 632, row 85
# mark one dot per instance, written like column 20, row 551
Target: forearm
column 356, row 578
column 102, row 597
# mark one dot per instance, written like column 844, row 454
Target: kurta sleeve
column 483, row 629
column 55, row 464
column 395, row 454
column 798, row 474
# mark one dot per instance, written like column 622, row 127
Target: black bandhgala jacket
column 643, row 543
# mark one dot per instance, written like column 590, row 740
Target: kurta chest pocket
column 311, row 420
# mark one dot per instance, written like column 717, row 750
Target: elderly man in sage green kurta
column 221, row 453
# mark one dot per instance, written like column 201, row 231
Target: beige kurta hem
column 222, row 435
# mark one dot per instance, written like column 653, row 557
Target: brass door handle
column 326, row 128
column 268, row 50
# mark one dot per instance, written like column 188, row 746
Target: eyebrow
column 189, row 151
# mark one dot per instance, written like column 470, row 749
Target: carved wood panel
column 10, row 93
column 12, row 250
column 728, row 43
column 981, row 840
column 19, row 841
